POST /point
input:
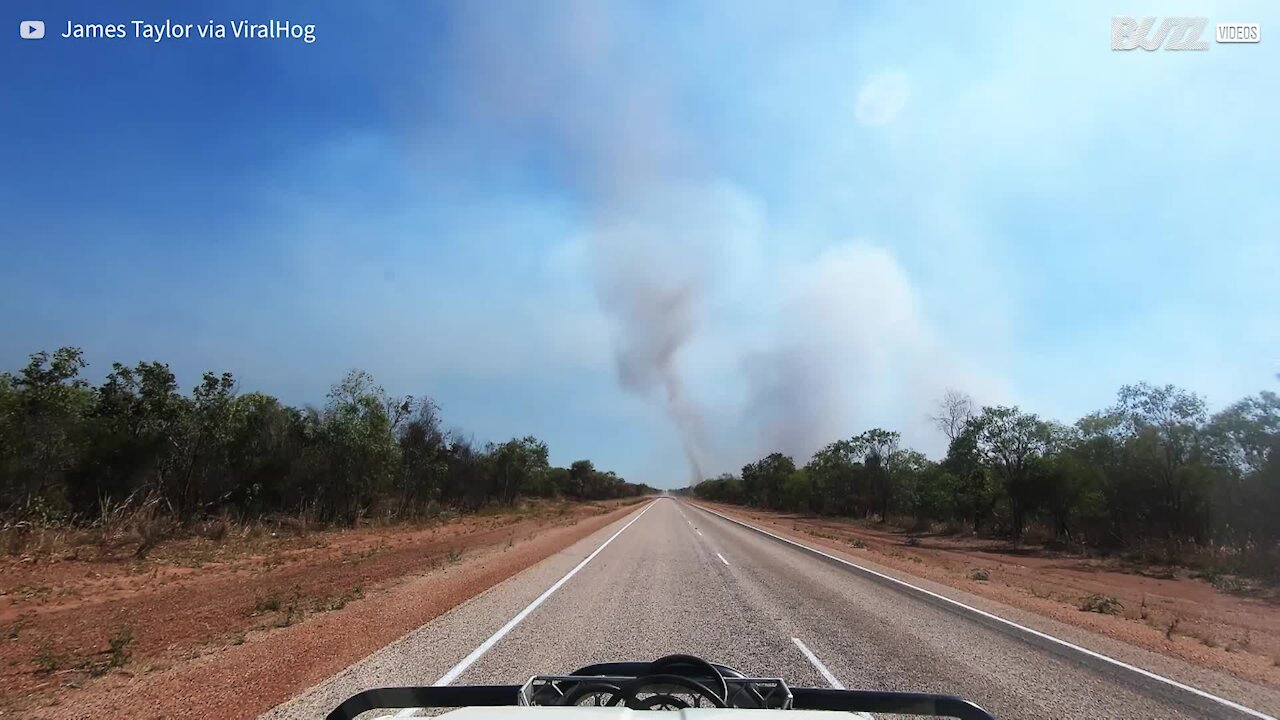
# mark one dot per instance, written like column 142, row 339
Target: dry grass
column 1104, row 604
column 1248, row 569
column 143, row 530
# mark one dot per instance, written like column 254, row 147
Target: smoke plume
column 560, row 72
column 789, row 356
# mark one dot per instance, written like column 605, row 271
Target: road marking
column 996, row 618
column 502, row 631
column 726, row 562
column 814, row 661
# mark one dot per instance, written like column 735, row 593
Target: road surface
column 672, row 577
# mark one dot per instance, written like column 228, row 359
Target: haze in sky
column 651, row 233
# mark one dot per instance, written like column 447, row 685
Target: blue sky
column 850, row 207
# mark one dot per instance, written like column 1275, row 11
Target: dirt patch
column 1162, row 609
column 176, row 637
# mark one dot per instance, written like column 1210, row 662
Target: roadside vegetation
column 136, row 460
column 1154, row 478
column 96, row 624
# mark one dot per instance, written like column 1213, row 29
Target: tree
column 1244, row 443
column 580, row 473
column 1011, row 442
column 516, row 465
column 797, row 492
column 763, row 480
column 1242, row 437
column 69, row 450
column 267, row 443
column 43, row 430
column 1071, row 488
column 557, row 480
column 723, row 488
column 1164, row 427
column 954, row 412
column 879, row 450
column 834, row 472
column 423, row 455
column 357, row 456
column 974, row 495
column 917, row 485
column 201, row 464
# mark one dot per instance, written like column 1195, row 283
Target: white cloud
column 882, row 98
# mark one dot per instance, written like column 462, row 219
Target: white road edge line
column 814, row 661
column 726, row 562
column 520, row 616
column 1023, row 628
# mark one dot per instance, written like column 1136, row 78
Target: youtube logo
column 31, row 29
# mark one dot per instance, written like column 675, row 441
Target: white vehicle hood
column 619, row 713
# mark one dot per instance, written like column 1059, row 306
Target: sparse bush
column 1104, row 604
column 295, row 525
column 856, row 543
column 1228, row 583
column 454, row 556
column 118, row 647
column 47, row 661
column 980, row 574
column 341, row 601
column 293, row 611
column 217, row 529
column 15, row 537
column 151, row 533
column 270, row 603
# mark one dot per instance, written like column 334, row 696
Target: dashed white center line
column 817, row 664
column 726, row 562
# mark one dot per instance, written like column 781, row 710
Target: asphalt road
column 679, row 579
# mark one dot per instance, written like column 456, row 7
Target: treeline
column 1155, row 469
column 69, row 451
